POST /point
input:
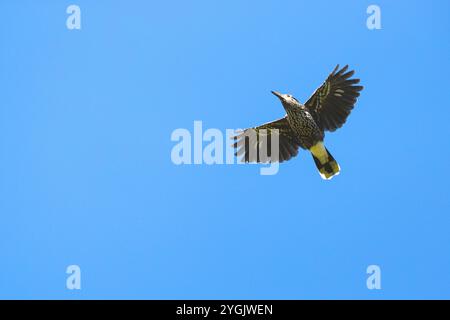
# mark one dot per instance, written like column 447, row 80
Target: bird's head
column 287, row 100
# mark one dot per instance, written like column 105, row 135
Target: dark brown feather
column 259, row 148
column 333, row 101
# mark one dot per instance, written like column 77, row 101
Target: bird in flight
column 304, row 125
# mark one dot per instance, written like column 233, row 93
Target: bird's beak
column 279, row 95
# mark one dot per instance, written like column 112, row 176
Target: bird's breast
column 305, row 128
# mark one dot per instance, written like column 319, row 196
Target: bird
column 304, row 125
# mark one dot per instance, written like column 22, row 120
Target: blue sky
column 86, row 175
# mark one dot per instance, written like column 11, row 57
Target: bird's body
column 304, row 125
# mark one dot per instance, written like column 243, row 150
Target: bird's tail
column 325, row 162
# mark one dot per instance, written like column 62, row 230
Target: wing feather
column 332, row 102
column 250, row 144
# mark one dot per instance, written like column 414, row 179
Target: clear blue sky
column 86, row 176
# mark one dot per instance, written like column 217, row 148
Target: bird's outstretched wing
column 333, row 101
column 255, row 144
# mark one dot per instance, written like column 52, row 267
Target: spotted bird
column 304, row 125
